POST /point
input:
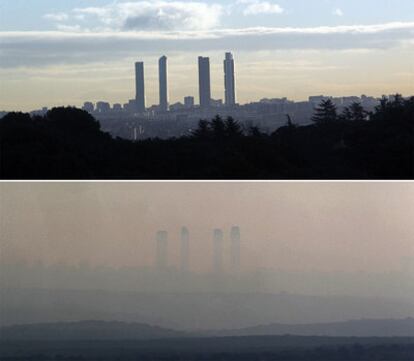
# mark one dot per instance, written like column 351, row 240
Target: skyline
column 73, row 51
column 344, row 226
column 226, row 251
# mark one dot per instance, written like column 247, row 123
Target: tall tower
column 204, row 82
column 218, row 250
column 229, row 80
column 139, row 87
column 161, row 258
column 163, row 78
column 185, row 250
column 235, row 249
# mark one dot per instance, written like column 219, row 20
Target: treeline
column 67, row 143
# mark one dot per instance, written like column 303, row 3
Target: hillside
column 86, row 330
column 353, row 328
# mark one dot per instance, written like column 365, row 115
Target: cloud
column 154, row 15
column 256, row 7
column 338, row 12
column 68, row 28
column 52, row 47
column 57, row 17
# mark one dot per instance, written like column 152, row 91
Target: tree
column 290, row 123
column 346, row 115
column 203, row 131
column 218, row 127
column 73, row 120
column 354, row 113
column 232, row 128
column 325, row 113
column 254, row 131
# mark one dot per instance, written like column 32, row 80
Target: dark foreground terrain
column 67, row 143
column 261, row 348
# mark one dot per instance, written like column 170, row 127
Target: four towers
column 161, row 256
column 204, row 83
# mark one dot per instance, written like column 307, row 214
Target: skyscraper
column 139, row 87
column 163, row 78
column 229, row 80
column 235, row 249
column 161, row 258
column 185, row 250
column 218, row 250
column 204, row 81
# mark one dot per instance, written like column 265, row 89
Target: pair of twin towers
column 204, row 83
column 161, row 257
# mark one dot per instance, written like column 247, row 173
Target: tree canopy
column 67, row 143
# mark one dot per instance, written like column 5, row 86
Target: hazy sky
column 292, row 226
column 68, row 51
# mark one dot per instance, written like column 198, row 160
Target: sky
column 71, row 51
column 300, row 227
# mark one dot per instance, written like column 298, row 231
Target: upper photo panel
column 206, row 89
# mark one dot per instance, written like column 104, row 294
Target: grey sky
column 292, row 226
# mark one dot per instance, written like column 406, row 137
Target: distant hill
column 354, row 328
column 87, row 330
column 192, row 311
column 102, row 330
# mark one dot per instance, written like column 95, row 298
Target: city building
column 204, row 82
column 163, row 79
column 139, row 87
column 218, row 250
column 177, row 106
column 117, row 107
column 317, row 99
column 235, row 249
column 189, row 102
column 216, row 103
column 185, row 250
column 161, row 257
column 88, row 106
column 103, row 107
column 229, row 81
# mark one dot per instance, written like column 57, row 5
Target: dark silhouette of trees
column 67, row 143
column 289, row 122
column 354, row 113
column 232, row 128
column 203, row 131
column 218, row 127
column 325, row 113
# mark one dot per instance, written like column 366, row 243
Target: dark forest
column 67, row 143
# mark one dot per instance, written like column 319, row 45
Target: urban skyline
column 204, row 84
column 69, row 52
column 220, row 262
column 203, row 100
